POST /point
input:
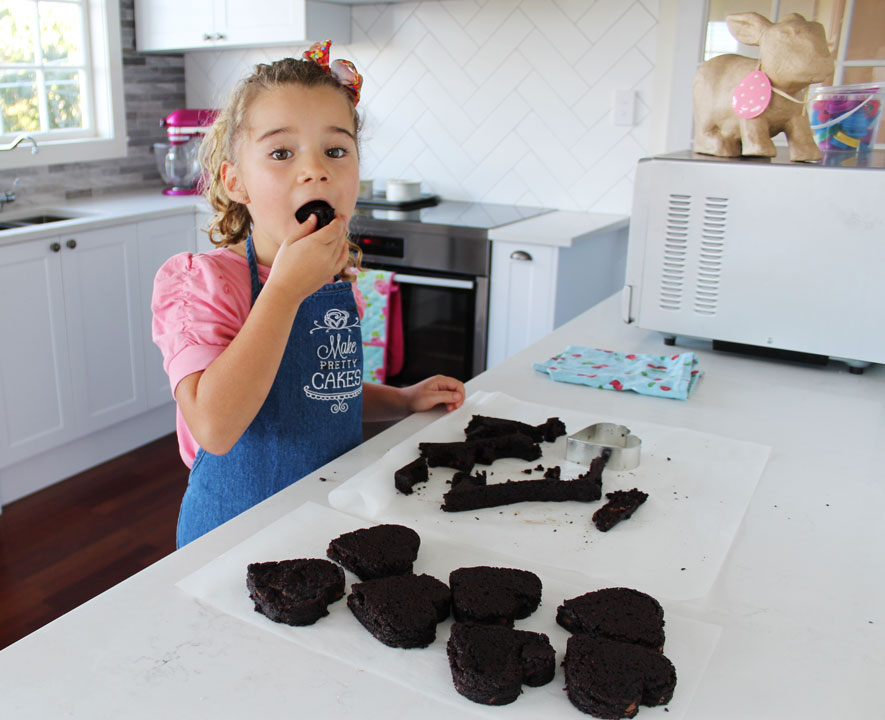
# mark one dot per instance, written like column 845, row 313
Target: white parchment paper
column 306, row 532
column 699, row 487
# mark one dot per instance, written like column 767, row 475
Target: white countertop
column 561, row 228
column 558, row 228
column 800, row 596
column 94, row 213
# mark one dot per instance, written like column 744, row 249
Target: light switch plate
column 623, row 107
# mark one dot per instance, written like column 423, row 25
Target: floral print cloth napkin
column 671, row 376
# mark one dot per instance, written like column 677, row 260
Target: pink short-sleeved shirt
column 199, row 304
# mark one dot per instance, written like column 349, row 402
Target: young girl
column 261, row 336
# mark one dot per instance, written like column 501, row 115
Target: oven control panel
column 381, row 246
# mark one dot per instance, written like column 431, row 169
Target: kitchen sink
column 38, row 217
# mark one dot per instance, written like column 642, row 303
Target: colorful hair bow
column 342, row 70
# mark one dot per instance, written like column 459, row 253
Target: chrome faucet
column 18, row 141
column 9, row 196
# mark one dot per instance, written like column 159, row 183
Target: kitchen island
column 799, row 597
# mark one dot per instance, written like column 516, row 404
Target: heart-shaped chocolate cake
column 493, row 595
column 616, row 613
column 610, row 679
column 376, row 552
column 490, row 663
column 295, row 592
column 401, row 610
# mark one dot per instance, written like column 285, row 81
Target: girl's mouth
column 325, row 213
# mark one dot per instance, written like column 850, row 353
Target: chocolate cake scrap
column 482, row 426
column 376, row 551
column 294, row 592
column 483, row 451
column 471, row 492
column 610, row 679
column 490, row 663
column 620, row 506
column 410, row 475
column 403, row 610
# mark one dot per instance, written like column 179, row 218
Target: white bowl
column 403, row 190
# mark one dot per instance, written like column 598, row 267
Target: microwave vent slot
column 712, row 247
column 672, row 288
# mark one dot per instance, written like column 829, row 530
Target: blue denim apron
column 312, row 414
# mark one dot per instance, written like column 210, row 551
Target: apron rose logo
column 336, row 319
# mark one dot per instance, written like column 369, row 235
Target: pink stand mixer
column 177, row 160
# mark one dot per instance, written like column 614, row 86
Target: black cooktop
column 451, row 213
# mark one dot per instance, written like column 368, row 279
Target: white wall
column 490, row 100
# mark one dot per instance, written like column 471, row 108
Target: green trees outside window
column 43, row 79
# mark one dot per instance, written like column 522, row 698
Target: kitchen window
column 61, row 81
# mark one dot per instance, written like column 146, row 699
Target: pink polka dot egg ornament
column 752, row 95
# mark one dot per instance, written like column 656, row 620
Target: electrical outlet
column 623, row 107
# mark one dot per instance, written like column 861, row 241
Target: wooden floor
column 68, row 543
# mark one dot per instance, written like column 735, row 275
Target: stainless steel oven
column 441, row 259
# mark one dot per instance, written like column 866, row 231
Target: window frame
column 106, row 104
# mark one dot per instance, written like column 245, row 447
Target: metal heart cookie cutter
column 617, row 440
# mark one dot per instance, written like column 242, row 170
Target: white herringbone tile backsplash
column 504, row 101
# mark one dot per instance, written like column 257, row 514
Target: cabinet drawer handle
column 71, row 243
column 207, row 37
column 521, row 255
column 220, row 36
column 55, row 247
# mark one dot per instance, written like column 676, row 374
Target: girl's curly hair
column 232, row 223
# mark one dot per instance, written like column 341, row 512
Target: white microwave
column 762, row 253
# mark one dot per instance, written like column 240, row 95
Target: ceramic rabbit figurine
column 740, row 103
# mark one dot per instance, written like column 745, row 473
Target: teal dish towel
column 376, row 287
column 671, row 376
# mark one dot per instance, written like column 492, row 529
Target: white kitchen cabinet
column 522, row 294
column 102, row 299
column 172, row 25
column 158, row 240
column 35, row 367
column 72, row 352
column 537, row 286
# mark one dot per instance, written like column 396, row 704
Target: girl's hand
column 309, row 259
column 436, row 390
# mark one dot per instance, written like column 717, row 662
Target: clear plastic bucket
column 845, row 118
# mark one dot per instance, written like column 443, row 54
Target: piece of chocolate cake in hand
column 620, row 506
column 324, row 212
column 491, row 663
column 376, row 551
column 294, row 592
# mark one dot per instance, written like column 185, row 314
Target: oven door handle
column 433, row 281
